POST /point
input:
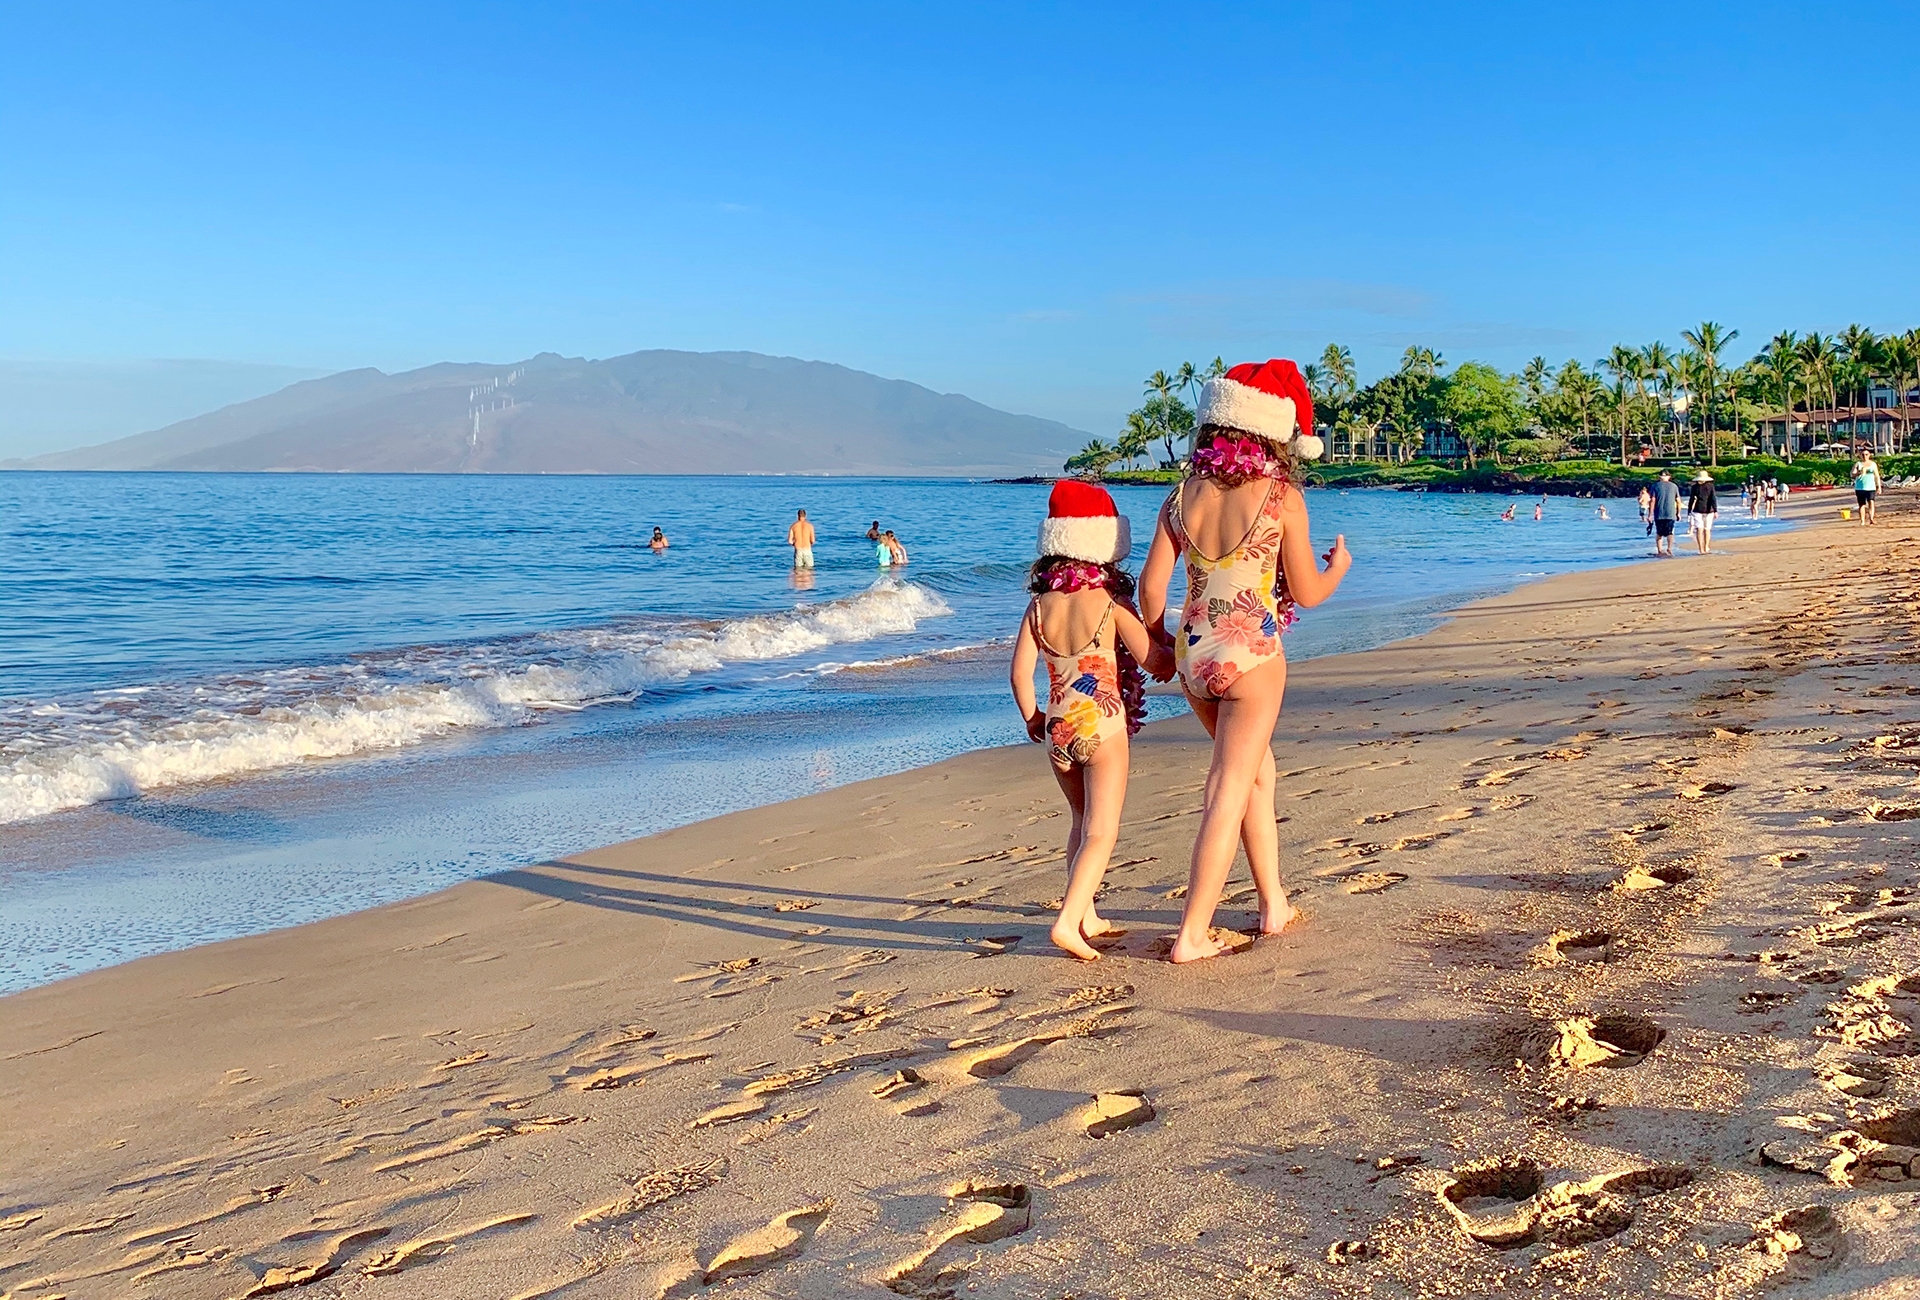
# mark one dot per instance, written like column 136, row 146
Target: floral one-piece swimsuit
column 1237, row 606
column 1084, row 705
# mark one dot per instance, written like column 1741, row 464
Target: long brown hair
column 1291, row 470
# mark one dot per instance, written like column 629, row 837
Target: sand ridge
column 1607, row 985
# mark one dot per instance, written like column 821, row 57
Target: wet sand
column 1606, row 985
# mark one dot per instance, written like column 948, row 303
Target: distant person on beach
column 1866, row 486
column 1666, row 512
column 800, row 538
column 1774, row 493
column 1096, row 697
column 1646, row 508
column 659, row 541
column 1702, row 510
column 1240, row 521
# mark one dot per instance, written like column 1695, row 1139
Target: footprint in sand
column 981, row 1214
column 470, row 1141
column 1503, row 1203
column 1579, row 946
column 755, row 1252
column 1604, row 1042
column 1653, row 878
column 422, row 1249
column 1000, row 1060
column 1861, row 1078
column 284, row 1277
column 653, row 1189
column 1705, row 791
column 1116, row 1112
column 1373, row 882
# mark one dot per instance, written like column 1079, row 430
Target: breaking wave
column 119, row 743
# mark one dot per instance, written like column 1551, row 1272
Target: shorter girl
column 1082, row 620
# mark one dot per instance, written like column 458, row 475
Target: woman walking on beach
column 1239, row 520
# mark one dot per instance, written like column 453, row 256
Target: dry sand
column 1607, row 985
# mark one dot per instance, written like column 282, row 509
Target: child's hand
column 1159, row 663
column 1037, row 726
column 1338, row 559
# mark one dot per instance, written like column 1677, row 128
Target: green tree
column 1780, row 368
column 1095, row 458
column 1629, row 370
column 1484, row 406
column 1818, row 360
column 1422, row 363
column 1189, row 382
column 1171, row 419
column 1337, row 364
column 1136, row 440
column 1579, row 392
column 1708, row 342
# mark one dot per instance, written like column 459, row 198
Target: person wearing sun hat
column 1240, row 523
column 1702, row 510
column 1082, row 622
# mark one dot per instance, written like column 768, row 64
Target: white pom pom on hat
column 1269, row 400
column 1082, row 523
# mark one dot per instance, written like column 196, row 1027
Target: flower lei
column 1078, row 575
column 1221, row 454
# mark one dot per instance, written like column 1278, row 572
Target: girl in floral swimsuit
column 1240, row 503
column 1082, row 621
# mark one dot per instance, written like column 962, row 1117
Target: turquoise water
column 234, row 702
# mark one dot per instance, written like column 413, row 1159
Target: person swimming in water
column 1506, row 516
column 659, row 541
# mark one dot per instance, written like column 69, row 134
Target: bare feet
column 1277, row 919
column 1066, row 937
column 1098, row 927
column 1185, row 949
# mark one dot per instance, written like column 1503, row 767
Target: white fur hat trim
column 1097, row 539
column 1234, row 405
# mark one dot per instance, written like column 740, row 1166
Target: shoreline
column 719, row 1008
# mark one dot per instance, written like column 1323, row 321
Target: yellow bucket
column 1846, row 512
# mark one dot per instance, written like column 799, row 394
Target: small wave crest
column 116, row 744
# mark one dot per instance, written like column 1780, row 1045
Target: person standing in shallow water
column 1666, row 512
column 1239, row 520
column 800, row 538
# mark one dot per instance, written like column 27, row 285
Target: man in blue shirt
column 1666, row 510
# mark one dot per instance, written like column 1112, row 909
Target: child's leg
column 1104, row 782
column 1244, row 734
column 1260, row 833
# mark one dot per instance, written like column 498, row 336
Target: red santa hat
column 1082, row 523
column 1268, row 400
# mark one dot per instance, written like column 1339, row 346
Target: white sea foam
column 61, row 755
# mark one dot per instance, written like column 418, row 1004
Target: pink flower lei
column 1221, row 454
column 1075, row 575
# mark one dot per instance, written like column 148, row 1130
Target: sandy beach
column 1607, row 985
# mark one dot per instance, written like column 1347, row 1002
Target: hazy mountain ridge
column 645, row 412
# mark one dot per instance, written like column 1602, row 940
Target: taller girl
column 1240, row 522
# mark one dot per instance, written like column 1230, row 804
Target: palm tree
column 1315, row 382
column 1780, row 363
column 1337, row 364
column 1627, row 367
column 1136, row 440
column 1160, row 385
column 1583, row 392
column 1094, row 458
column 1818, row 357
column 1707, row 342
column 1423, row 363
column 1534, row 379
column 1215, row 369
column 1861, row 346
column 1656, row 364
column 1903, row 361
column 1683, row 378
column 1188, row 380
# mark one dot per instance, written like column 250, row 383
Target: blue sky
column 1033, row 205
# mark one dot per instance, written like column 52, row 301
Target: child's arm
column 1306, row 582
column 1026, row 656
column 1150, row 654
column 1154, row 577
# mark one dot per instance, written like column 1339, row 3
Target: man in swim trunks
column 800, row 538
column 1666, row 512
column 1866, row 486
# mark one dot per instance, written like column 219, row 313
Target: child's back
column 1076, row 622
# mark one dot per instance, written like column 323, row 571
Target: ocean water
column 234, row 702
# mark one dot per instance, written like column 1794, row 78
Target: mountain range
column 653, row 412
